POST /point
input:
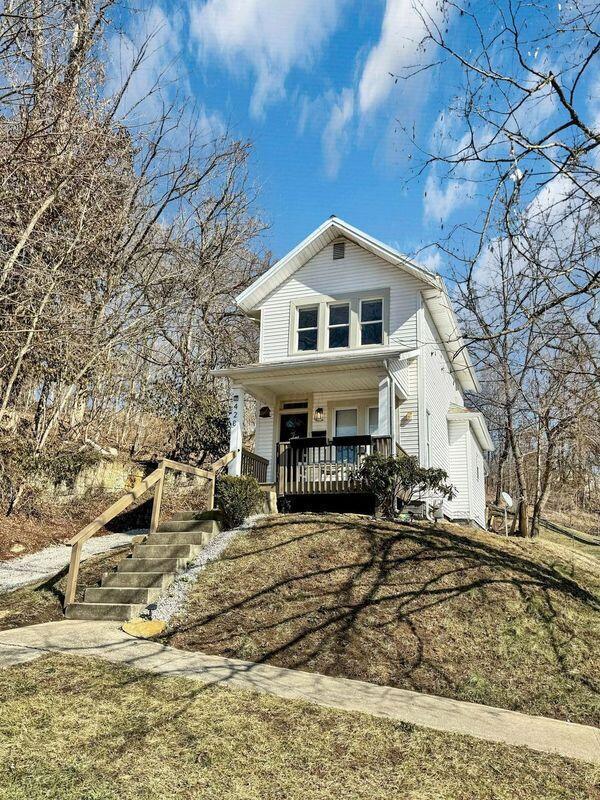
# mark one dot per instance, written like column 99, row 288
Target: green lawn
column 448, row 610
column 81, row 729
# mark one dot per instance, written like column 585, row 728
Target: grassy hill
column 448, row 610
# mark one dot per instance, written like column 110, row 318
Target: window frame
column 323, row 302
column 330, row 326
column 380, row 321
column 368, row 421
column 315, row 328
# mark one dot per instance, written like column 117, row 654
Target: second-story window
column 308, row 327
column 371, row 322
column 339, row 325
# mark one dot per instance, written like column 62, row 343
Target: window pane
column 372, row 333
column 308, row 317
column 373, row 420
column 339, row 337
column 371, row 310
column 345, row 422
column 339, row 315
column 307, row 340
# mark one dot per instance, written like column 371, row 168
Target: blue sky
column 308, row 83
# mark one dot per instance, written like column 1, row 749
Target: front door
column 293, row 426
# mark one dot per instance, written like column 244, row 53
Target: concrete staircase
column 141, row 578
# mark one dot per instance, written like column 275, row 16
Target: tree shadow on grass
column 396, row 604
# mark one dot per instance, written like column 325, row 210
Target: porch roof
column 325, row 373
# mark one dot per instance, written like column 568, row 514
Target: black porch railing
column 255, row 465
column 319, row 466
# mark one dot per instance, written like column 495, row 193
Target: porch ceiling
column 306, row 376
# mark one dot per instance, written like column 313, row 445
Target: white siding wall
column 441, row 389
column 458, row 471
column 358, row 271
column 408, row 429
column 264, row 443
column 477, row 481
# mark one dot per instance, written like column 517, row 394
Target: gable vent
column 339, row 250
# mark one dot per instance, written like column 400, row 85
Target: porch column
column 236, row 423
column 384, row 423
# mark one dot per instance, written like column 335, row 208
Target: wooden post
column 158, row 492
column 73, row 573
column 211, row 492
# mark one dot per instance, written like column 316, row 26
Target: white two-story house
column 359, row 351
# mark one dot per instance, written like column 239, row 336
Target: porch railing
column 320, row 466
column 255, row 465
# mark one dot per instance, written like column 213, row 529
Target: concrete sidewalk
column 106, row 640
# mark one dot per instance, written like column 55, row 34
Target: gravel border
column 36, row 567
column 167, row 606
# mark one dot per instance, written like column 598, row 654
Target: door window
column 293, row 426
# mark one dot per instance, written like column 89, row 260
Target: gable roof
column 332, row 229
column 437, row 298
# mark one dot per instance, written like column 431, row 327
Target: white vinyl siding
column 359, row 271
column 264, row 443
column 458, row 470
column 477, row 481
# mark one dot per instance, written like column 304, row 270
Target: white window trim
column 331, row 326
column 334, row 421
column 323, row 302
column 371, row 321
column 367, row 414
column 427, row 438
column 312, row 328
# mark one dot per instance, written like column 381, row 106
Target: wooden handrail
column 156, row 477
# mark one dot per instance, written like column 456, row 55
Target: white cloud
column 269, row 36
column 335, row 135
column 148, row 58
column 402, row 32
column 443, row 196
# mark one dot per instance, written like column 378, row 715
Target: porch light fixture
column 318, row 416
column 264, row 412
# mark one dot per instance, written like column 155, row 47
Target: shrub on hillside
column 237, row 498
column 395, row 481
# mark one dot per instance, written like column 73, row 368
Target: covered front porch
column 317, row 419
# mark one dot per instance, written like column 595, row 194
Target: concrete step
column 142, row 580
column 119, row 611
column 192, row 525
column 151, row 564
column 199, row 515
column 121, row 595
column 198, row 538
column 186, row 551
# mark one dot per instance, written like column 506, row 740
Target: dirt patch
column 448, row 610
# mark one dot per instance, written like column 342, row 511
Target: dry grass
column 32, row 606
column 448, row 611
column 52, row 522
column 80, row 729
